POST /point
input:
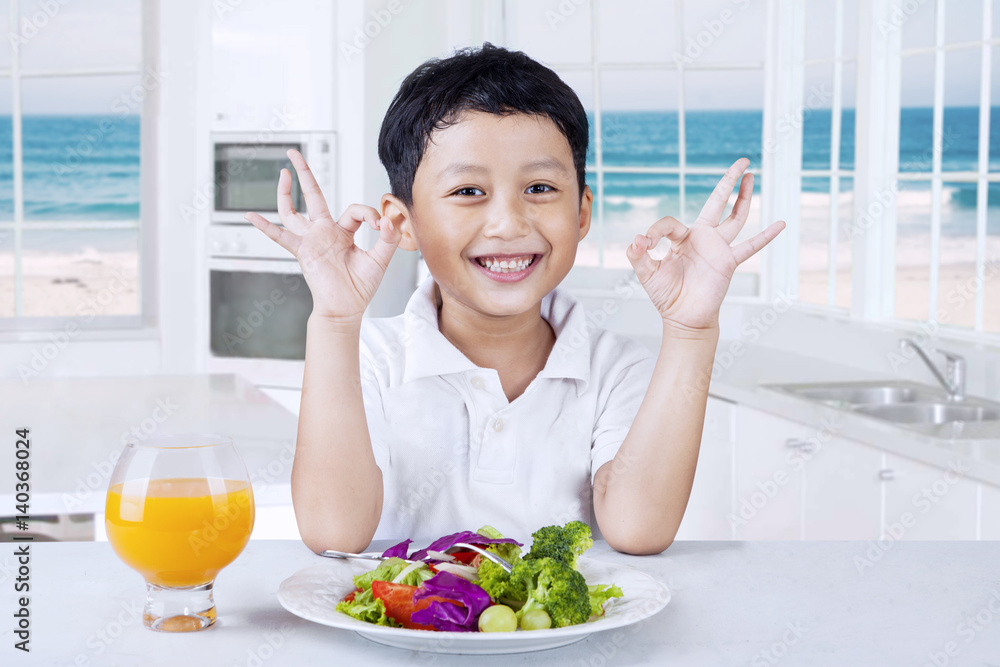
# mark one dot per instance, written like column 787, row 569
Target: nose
column 508, row 218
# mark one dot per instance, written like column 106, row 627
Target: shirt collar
column 429, row 353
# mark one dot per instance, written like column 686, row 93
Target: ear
column 586, row 205
column 401, row 219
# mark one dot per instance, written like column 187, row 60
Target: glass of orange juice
column 179, row 509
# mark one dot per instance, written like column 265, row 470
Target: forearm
column 336, row 484
column 641, row 495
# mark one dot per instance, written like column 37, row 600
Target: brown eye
column 540, row 185
column 467, row 191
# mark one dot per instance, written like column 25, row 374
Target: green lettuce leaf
column 366, row 608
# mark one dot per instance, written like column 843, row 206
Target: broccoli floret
column 494, row 579
column 554, row 586
column 565, row 543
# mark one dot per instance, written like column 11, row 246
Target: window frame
column 21, row 327
column 597, row 281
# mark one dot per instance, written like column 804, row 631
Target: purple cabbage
column 446, row 616
column 448, row 541
column 397, row 551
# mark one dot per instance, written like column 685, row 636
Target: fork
column 330, row 553
column 488, row 555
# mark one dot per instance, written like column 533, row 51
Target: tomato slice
column 398, row 600
column 464, row 557
column 350, row 596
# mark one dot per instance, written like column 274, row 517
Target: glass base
column 179, row 609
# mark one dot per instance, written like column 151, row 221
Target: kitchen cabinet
column 923, row 502
column 768, row 480
column 989, row 512
column 842, row 491
column 710, row 503
column 253, row 87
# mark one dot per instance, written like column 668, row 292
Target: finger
column 279, row 235
column 385, row 245
column 286, row 208
column 637, row 255
column 669, row 227
column 711, row 212
column 732, row 225
column 356, row 214
column 315, row 202
column 749, row 248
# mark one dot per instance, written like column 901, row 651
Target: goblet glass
column 179, row 509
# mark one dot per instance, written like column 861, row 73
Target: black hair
column 490, row 79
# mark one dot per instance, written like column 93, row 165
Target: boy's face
column 491, row 189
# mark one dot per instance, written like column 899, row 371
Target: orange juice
column 179, row 532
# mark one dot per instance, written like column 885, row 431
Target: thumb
column 642, row 263
column 388, row 238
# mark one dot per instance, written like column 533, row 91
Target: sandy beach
column 85, row 283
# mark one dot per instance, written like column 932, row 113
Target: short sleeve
column 371, row 393
column 620, row 405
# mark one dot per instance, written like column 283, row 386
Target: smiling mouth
column 506, row 264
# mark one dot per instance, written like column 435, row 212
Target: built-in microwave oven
column 247, row 165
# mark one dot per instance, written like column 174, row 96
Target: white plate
column 313, row 593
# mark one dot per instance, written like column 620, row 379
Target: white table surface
column 731, row 601
column 77, row 427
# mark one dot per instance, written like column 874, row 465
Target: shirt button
column 498, row 425
column 477, row 382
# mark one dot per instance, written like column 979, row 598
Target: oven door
column 246, row 175
column 258, row 310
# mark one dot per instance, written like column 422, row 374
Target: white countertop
column 740, row 380
column 78, row 425
column 731, row 601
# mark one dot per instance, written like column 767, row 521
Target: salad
column 462, row 591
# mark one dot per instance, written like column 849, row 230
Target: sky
column 103, row 33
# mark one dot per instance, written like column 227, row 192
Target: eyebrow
column 470, row 168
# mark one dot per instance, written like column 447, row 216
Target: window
column 827, row 198
column 72, row 90
column 674, row 93
column 947, row 260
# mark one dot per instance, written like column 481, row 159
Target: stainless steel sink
column 910, row 405
column 931, row 413
column 852, row 394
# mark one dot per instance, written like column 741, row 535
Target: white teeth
column 505, row 265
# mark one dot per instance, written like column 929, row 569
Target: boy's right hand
column 341, row 276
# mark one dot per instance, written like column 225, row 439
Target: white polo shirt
column 456, row 455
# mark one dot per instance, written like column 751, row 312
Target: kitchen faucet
column 954, row 384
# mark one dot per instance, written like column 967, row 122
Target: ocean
column 86, row 167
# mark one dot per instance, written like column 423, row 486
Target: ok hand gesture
column 687, row 286
column 341, row 276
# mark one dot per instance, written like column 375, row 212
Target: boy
column 491, row 400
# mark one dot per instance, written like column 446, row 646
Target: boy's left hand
column 687, row 286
